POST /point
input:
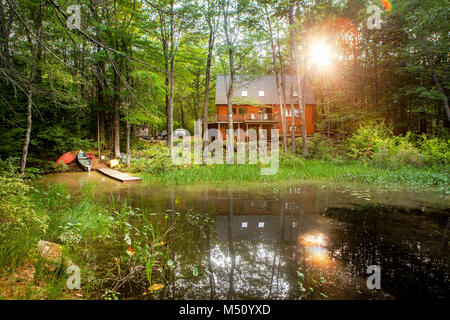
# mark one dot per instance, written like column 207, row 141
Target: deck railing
column 249, row 117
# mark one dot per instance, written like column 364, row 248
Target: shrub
column 377, row 144
column 154, row 159
column 20, row 224
column 366, row 141
column 16, row 209
column 320, row 147
column 9, row 166
column 435, row 150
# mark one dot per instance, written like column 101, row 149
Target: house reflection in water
column 264, row 220
column 258, row 228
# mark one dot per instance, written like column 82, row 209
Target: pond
column 291, row 240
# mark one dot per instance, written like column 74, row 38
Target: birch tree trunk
column 300, row 91
column 277, row 80
column 211, row 40
column 292, row 52
column 36, row 56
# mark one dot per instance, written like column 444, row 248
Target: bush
column 9, row 167
column 320, row 147
column 20, row 224
column 376, row 144
column 367, row 140
column 435, row 150
column 16, row 210
column 154, row 159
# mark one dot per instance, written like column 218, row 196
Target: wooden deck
column 121, row 176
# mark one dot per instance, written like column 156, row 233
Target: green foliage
column 435, row 150
column 154, row 160
column 20, row 223
column 320, row 147
column 367, row 140
column 376, row 143
column 16, row 209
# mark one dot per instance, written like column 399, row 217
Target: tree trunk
column 23, row 162
column 230, row 90
column 101, row 115
column 299, row 81
column 36, row 61
column 5, row 33
column 170, row 113
column 277, row 81
column 229, row 43
column 182, row 120
column 301, row 106
column 292, row 52
column 207, row 78
column 128, row 138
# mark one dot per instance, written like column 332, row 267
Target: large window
column 242, row 110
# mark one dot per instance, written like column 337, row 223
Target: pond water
column 291, row 240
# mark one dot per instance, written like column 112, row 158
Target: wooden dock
column 121, row 176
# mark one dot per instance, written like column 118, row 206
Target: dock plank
column 121, row 176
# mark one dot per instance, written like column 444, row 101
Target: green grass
column 305, row 169
column 85, row 226
column 153, row 164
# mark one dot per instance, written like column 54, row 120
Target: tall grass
column 388, row 161
column 84, row 225
column 307, row 169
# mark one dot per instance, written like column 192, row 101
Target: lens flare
column 320, row 54
column 314, row 244
column 386, row 4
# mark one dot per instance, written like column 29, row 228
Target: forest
column 368, row 186
column 154, row 64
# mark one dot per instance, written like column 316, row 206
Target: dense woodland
column 154, row 63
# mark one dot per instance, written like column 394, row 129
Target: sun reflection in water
column 314, row 244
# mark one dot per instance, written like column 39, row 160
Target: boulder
column 50, row 251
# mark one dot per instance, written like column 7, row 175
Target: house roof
column 261, row 83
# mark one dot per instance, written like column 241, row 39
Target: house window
column 288, row 112
column 242, row 110
column 234, row 110
column 244, row 93
column 297, row 112
column 261, row 93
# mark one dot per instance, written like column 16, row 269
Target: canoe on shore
column 84, row 161
column 67, row 158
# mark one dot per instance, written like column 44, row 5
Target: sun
column 320, row 54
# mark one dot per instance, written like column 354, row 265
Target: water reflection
column 295, row 242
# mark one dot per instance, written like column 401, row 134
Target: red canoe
column 67, row 157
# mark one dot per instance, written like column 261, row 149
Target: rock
column 50, row 251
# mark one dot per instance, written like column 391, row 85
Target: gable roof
column 262, row 83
